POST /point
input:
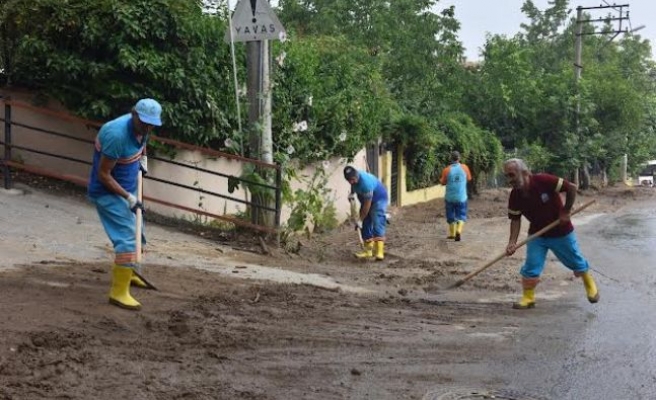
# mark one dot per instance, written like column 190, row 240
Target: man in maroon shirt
column 537, row 197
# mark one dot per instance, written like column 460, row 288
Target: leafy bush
column 312, row 207
column 99, row 56
column 330, row 99
column 419, row 140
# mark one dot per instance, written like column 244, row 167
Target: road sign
column 254, row 20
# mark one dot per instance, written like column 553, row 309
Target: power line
column 614, row 7
column 623, row 16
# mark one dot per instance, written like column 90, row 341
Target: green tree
column 330, row 99
column 417, row 48
column 99, row 56
column 525, row 92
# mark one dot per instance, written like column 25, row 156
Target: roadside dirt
column 384, row 330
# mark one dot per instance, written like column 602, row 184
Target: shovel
column 139, row 214
column 520, row 244
column 353, row 213
column 360, row 237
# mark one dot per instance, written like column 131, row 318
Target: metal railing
column 7, row 163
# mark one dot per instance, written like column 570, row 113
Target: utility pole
column 259, row 118
column 256, row 92
column 578, row 65
column 255, row 23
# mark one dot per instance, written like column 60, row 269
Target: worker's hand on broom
column 133, row 203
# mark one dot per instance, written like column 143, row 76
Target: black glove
column 133, row 203
column 140, row 206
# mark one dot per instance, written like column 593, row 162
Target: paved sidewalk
column 36, row 226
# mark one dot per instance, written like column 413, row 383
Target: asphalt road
column 614, row 352
column 569, row 349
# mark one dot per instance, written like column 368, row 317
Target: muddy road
column 315, row 324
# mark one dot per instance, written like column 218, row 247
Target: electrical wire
column 616, row 8
column 613, row 6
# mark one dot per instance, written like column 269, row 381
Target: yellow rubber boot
column 368, row 251
column 379, row 248
column 138, row 282
column 527, row 301
column 528, row 297
column 119, row 294
column 459, row 226
column 590, row 287
column 452, row 231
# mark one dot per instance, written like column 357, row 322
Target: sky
column 479, row 17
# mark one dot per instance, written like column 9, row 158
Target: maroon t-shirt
column 541, row 205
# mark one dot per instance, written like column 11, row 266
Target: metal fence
column 7, row 163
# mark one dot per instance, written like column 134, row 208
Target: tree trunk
column 585, row 176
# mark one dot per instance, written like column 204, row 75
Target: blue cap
column 149, row 111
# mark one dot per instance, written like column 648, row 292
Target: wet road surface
column 569, row 349
column 614, row 354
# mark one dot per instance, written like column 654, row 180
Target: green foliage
column 330, row 99
column 525, row 92
column 352, row 72
column 427, row 146
column 233, row 184
column 479, row 148
column 416, row 46
column 419, row 141
column 312, row 208
column 537, row 157
column 99, row 56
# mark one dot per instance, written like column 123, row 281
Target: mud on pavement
column 204, row 336
column 363, row 330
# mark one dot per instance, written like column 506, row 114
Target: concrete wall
column 183, row 197
column 406, row 198
column 198, row 180
column 40, row 141
column 385, row 168
column 216, row 205
column 340, row 188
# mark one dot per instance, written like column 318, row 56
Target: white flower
column 281, row 58
column 309, row 101
column 300, row 126
column 282, row 36
column 326, row 164
column 229, row 143
column 290, row 149
column 242, row 91
column 342, row 136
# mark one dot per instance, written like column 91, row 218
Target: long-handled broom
column 520, row 244
column 139, row 220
